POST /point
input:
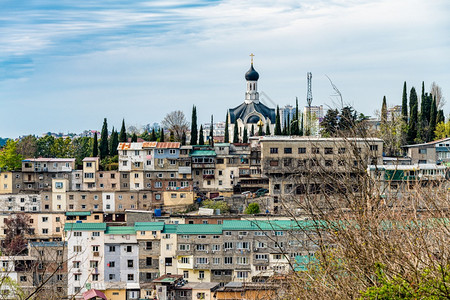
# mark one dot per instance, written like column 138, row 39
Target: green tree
column 252, row 130
column 433, row 120
column 267, row 129
column 442, row 130
column 145, row 136
column 245, row 136
column 295, row 126
column 194, row 132
column 211, row 132
column 103, row 147
column 413, row 116
column 278, row 123
column 82, row 147
column 424, row 118
column 95, row 146
column 153, row 137
column 10, row 159
column 62, row 148
column 252, row 208
column 329, row 123
column 44, row 146
column 236, row 132
column 123, row 133
column 27, row 146
column 301, row 131
column 113, row 143
column 171, row 137
column 134, row 137
column 260, row 131
column 405, row 104
column 227, row 134
column 161, row 135
column 384, row 111
column 183, row 139
column 201, row 140
column 440, row 116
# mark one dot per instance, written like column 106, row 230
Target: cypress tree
column 267, row 129
column 235, row 132
column 194, row 132
column 384, row 111
column 211, row 132
column 104, row 151
column 161, row 135
column 252, row 130
column 171, row 137
column 433, row 119
column 134, row 138
column 183, row 138
column 440, row 116
column 201, row 140
column 413, row 116
column 245, row 137
column 288, row 127
column 278, row 123
column 301, row 127
column 295, row 128
column 114, row 142
column 153, row 137
column 123, row 133
column 405, row 104
column 95, row 146
column 227, row 133
column 260, row 131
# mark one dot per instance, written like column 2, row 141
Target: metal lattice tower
column 309, row 97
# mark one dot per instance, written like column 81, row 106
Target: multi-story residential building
column 435, row 152
column 21, row 202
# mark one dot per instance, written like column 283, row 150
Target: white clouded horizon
column 64, row 68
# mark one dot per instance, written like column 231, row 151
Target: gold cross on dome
column 251, row 55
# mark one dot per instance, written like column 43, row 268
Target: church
column 252, row 112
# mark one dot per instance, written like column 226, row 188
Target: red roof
column 168, row 145
column 92, row 294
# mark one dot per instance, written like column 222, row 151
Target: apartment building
column 436, row 152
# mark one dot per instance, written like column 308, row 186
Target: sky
column 66, row 65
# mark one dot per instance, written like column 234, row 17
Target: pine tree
column 183, row 138
column 245, row 137
column 284, row 131
column 194, row 133
column 227, row 133
column 161, row 135
column 153, row 137
column 278, row 123
column 95, row 146
column 267, row 128
column 211, row 132
column 114, row 142
column 134, row 138
column 413, row 116
column 236, row 132
column 104, row 151
column 201, row 140
column 405, row 104
column 123, row 133
column 384, row 111
column 433, row 119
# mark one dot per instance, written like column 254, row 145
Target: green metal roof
column 263, row 225
column 149, row 226
column 78, row 213
column 199, row 229
column 222, row 144
column 170, row 228
column 203, row 153
column 85, row 226
column 120, row 230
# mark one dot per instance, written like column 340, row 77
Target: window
column 111, row 264
column 200, row 247
column 201, row 275
column 185, row 275
column 216, row 260
column 158, row 184
column 242, row 260
column 328, row 150
column 129, row 249
column 112, row 248
column 93, row 264
column 421, row 151
column 148, row 245
column 94, row 277
column 287, row 150
column 315, row 150
column 44, row 231
column 76, row 264
column 184, row 247
column 95, row 233
column 228, row 260
column 185, row 260
column 130, row 277
column 242, row 274
column 342, row 150
column 201, row 260
column 112, row 276
column 77, row 248
column 44, row 219
column 375, row 148
column 77, row 277
column 273, row 150
column 301, row 150
column 88, row 175
column 130, row 263
column 273, row 163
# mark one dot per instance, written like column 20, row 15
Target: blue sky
column 66, row 66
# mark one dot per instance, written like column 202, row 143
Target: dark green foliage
column 95, row 146
column 44, row 146
column 123, row 133
column 211, row 132
column 153, row 137
column 83, row 148
column 295, row 130
column 424, row 119
column 329, row 123
column 114, row 142
column 227, row 133
column 134, row 138
column 252, row 130
column 171, row 137
column 413, row 117
column 347, row 119
column 161, row 135
column 285, row 128
column 405, row 104
column 267, row 129
column 278, row 123
column 103, row 148
column 440, row 116
column 260, row 131
column 384, row 111
column 245, row 136
column 252, row 208
column 201, row 139
column 301, row 131
column 433, row 118
column 194, row 132
column 183, row 138
column 145, row 136
column 236, row 132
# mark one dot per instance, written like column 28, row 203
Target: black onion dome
column 251, row 74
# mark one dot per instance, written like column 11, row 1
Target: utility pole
column 309, row 99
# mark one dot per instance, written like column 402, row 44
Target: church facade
column 251, row 113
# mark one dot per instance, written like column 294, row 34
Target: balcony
column 208, row 176
column 184, row 170
column 203, row 166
